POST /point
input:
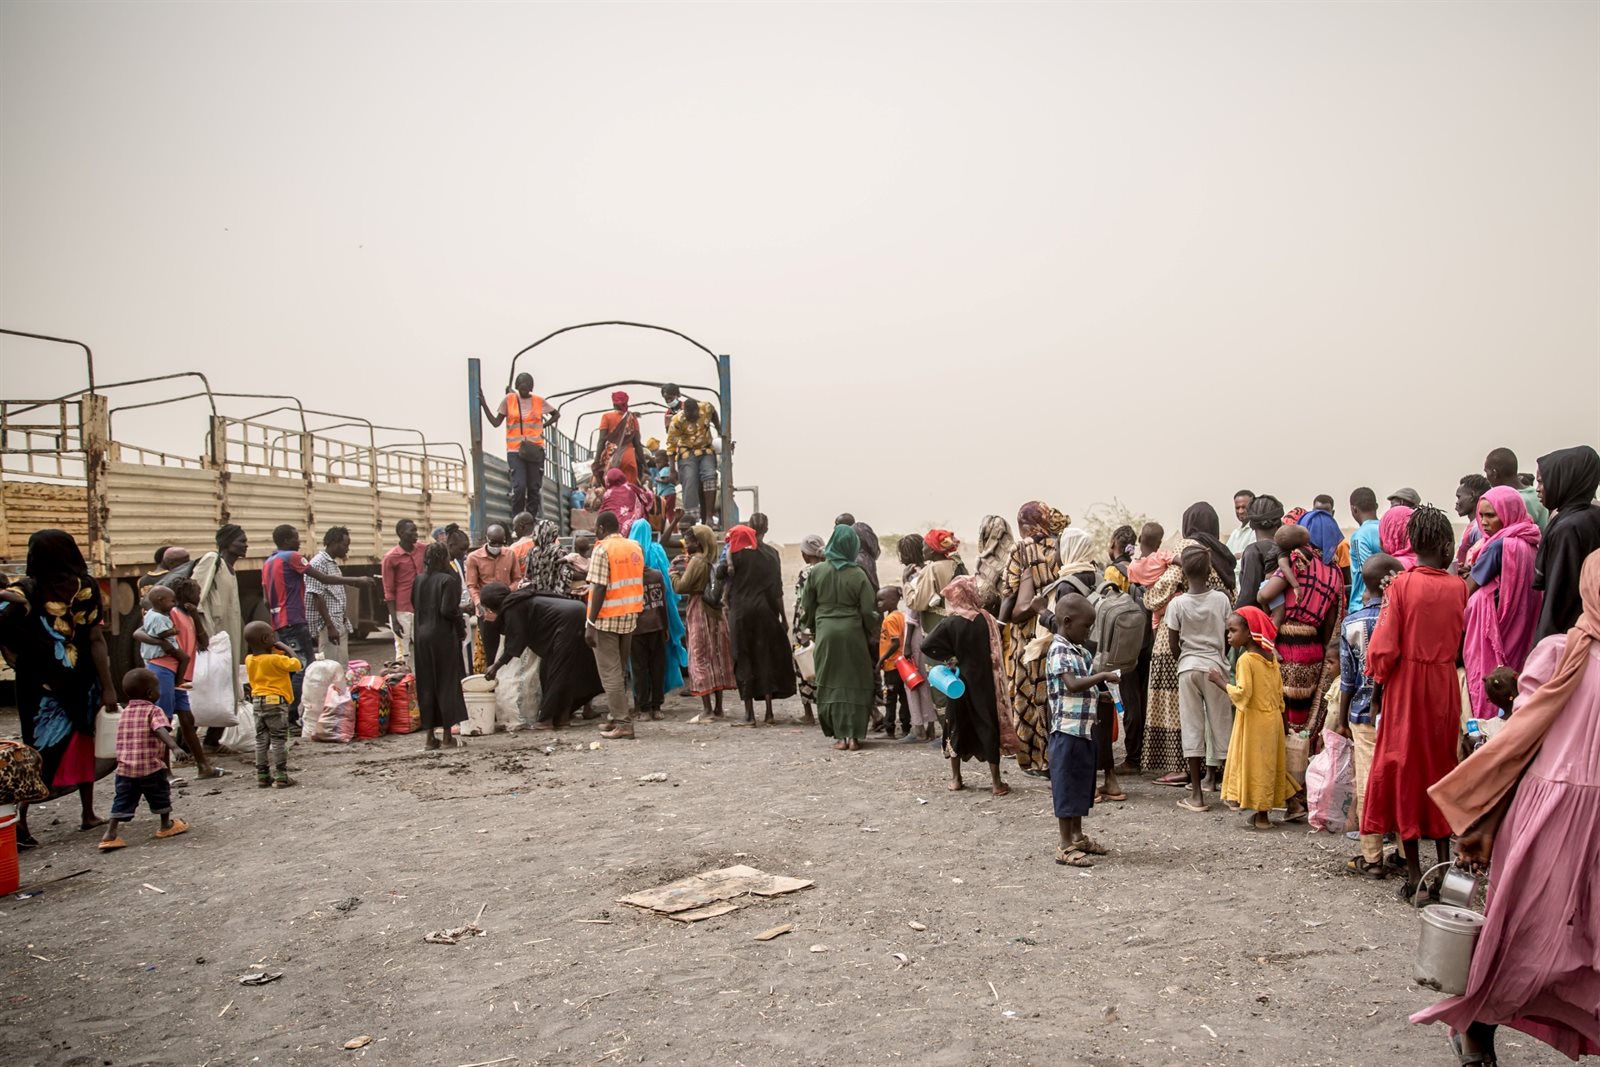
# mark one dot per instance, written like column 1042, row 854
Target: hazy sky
column 962, row 255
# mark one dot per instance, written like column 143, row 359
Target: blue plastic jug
column 947, row 680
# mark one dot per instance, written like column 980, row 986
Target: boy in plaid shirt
column 1073, row 755
column 144, row 736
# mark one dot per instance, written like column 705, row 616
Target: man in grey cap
column 1406, row 496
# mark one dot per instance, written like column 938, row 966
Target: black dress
column 436, row 599
column 763, row 662
column 972, row 721
column 552, row 626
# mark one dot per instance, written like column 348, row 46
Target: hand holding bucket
column 947, row 680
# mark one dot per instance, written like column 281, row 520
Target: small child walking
column 891, row 650
column 1073, row 757
column 144, row 737
column 1197, row 627
column 271, row 665
column 1257, row 776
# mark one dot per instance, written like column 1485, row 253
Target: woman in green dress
column 838, row 607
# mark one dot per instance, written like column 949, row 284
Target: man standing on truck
column 327, row 610
column 401, row 565
column 283, row 586
column 525, row 419
column 689, row 445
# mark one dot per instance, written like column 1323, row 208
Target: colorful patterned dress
column 1025, row 681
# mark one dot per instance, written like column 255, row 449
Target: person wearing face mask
column 491, row 563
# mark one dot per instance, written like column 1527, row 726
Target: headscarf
column 811, row 545
column 697, row 570
column 652, row 444
column 842, row 548
column 1392, row 535
column 1200, row 524
column 228, row 535
column 542, row 568
column 1034, row 520
column 54, row 557
column 1266, row 513
column 1075, row 547
column 1261, row 627
column 655, row 557
column 995, row 545
column 740, row 538
column 867, row 555
column 1292, row 516
column 961, row 597
column 65, row 601
column 615, row 477
column 1325, row 533
column 1570, row 477
column 619, row 397
column 1481, row 781
column 1503, row 613
column 941, row 541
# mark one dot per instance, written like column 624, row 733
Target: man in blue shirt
column 1364, row 542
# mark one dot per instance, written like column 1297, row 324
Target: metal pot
column 1457, row 887
column 1449, row 934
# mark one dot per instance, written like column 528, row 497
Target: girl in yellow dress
column 1257, row 775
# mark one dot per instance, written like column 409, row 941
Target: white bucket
column 479, row 695
column 105, row 734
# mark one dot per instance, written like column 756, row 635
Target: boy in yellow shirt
column 270, row 664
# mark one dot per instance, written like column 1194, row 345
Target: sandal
column 1073, row 857
column 1001, row 790
column 111, row 844
column 1174, row 780
column 1110, row 798
column 1089, row 845
column 1188, row 805
column 178, row 826
column 1359, row 865
column 1471, row 1059
column 1292, row 815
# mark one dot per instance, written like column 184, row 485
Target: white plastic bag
column 320, row 675
column 517, row 693
column 211, row 693
column 242, row 738
column 337, row 721
column 1331, row 783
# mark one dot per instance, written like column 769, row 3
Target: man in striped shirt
column 616, row 597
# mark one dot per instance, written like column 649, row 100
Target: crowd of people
column 1213, row 660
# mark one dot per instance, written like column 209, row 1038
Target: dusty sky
column 962, row 255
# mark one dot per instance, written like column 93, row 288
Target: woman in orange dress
column 619, row 430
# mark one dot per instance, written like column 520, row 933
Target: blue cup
column 947, row 680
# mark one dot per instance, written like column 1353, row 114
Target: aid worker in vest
column 616, row 597
column 525, row 419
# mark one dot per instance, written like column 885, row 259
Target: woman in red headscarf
column 1256, row 777
column 762, row 660
column 619, row 437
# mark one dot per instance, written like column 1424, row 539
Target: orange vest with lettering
column 519, row 429
column 625, row 587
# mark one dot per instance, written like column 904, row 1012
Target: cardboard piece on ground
column 699, row 890
column 694, row 915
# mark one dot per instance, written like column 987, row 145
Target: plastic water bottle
column 1116, row 695
column 1475, row 735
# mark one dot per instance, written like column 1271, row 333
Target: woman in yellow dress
column 1257, row 775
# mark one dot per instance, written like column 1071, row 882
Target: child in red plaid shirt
column 144, row 736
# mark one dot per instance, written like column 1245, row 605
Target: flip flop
column 1111, row 798
column 216, row 772
column 1188, row 805
column 112, row 844
column 1073, row 857
column 1178, row 781
column 1001, row 790
column 1297, row 816
column 178, row 826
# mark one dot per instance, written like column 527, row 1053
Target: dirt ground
column 1194, row 942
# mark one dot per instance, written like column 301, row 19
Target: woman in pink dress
column 1529, row 800
column 1504, row 606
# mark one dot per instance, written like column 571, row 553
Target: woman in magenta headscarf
column 1504, row 606
column 627, row 499
column 1393, row 537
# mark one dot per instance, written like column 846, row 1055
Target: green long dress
column 838, row 607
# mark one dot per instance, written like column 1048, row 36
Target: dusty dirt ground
column 1194, row 942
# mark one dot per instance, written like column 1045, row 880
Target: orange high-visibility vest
column 519, row 429
column 625, row 587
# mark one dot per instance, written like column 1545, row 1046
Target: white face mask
column 493, row 550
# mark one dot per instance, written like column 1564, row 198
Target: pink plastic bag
column 1331, row 783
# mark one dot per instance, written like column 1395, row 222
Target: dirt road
column 1194, row 942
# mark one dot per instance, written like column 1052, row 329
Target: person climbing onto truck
column 525, row 417
column 689, row 445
